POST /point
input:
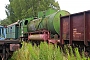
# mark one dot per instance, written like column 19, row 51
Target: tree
column 20, row 9
column 10, row 13
column 5, row 22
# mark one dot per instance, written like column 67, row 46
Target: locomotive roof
column 13, row 24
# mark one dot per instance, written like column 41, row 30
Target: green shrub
column 46, row 51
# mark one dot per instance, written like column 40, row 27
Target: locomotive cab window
column 11, row 27
column 26, row 22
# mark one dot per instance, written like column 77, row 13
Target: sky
column 3, row 3
column 72, row 6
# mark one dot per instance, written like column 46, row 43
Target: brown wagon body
column 75, row 28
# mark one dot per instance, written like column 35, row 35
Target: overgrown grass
column 47, row 52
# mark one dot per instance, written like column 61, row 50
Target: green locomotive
column 47, row 20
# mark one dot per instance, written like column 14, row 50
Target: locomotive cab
column 23, row 27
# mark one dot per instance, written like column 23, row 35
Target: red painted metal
column 85, row 29
column 61, row 30
column 78, row 24
column 43, row 35
column 64, row 29
column 88, row 25
column 14, row 47
column 53, row 41
column 39, row 35
column 71, row 29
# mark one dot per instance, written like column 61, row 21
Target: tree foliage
column 20, row 9
column 5, row 22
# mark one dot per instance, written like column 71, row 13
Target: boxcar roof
column 88, row 11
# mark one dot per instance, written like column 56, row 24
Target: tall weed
column 46, row 51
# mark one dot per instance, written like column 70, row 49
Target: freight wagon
column 75, row 29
